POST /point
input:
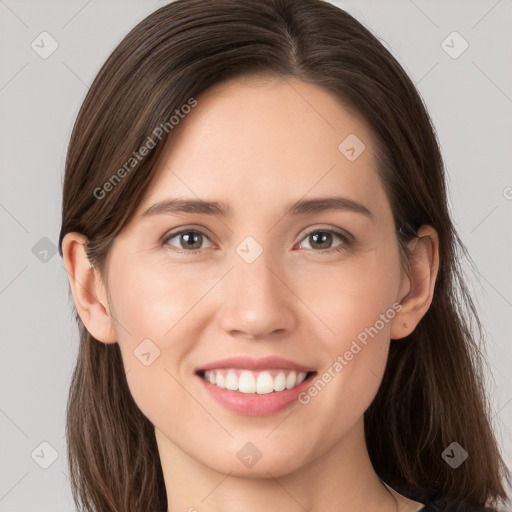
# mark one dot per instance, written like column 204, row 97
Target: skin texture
column 260, row 145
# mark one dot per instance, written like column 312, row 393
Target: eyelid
column 326, row 227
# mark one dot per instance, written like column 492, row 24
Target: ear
column 417, row 289
column 88, row 290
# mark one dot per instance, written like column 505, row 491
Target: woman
column 266, row 276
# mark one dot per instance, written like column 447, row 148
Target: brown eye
column 322, row 239
column 188, row 240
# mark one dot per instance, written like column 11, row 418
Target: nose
column 257, row 300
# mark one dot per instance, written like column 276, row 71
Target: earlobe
column 88, row 290
column 418, row 290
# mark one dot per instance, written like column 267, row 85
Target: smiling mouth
column 255, row 382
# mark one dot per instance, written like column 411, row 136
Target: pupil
column 323, row 236
column 194, row 237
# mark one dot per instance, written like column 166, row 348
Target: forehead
column 265, row 140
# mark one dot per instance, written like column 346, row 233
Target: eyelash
column 347, row 242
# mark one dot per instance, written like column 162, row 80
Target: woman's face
column 317, row 285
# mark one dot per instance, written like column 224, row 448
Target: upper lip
column 249, row 363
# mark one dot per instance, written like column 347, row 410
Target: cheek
column 361, row 319
column 356, row 302
column 351, row 295
column 151, row 307
column 152, row 300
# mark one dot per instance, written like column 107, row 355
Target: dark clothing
column 436, row 501
column 444, row 504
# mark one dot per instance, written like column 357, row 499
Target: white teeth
column 280, row 382
column 261, row 383
column 290, row 380
column 220, row 380
column 265, row 383
column 301, row 376
column 246, row 382
column 231, row 381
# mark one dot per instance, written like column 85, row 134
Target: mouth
column 273, row 380
column 255, row 387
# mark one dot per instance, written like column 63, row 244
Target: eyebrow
column 300, row 207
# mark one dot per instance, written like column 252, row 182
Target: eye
column 188, row 240
column 321, row 240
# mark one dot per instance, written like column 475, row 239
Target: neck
column 342, row 479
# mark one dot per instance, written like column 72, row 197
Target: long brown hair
column 432, row 392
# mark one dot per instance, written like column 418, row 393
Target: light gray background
column 469, row 99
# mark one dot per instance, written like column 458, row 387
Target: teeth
column 220, row 380
column 280, row 382
column 261, row 383
column 246, row 382
column 264, row 384
column 232, row 381
column 290, row 380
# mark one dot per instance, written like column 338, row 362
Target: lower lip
column 252, row 404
